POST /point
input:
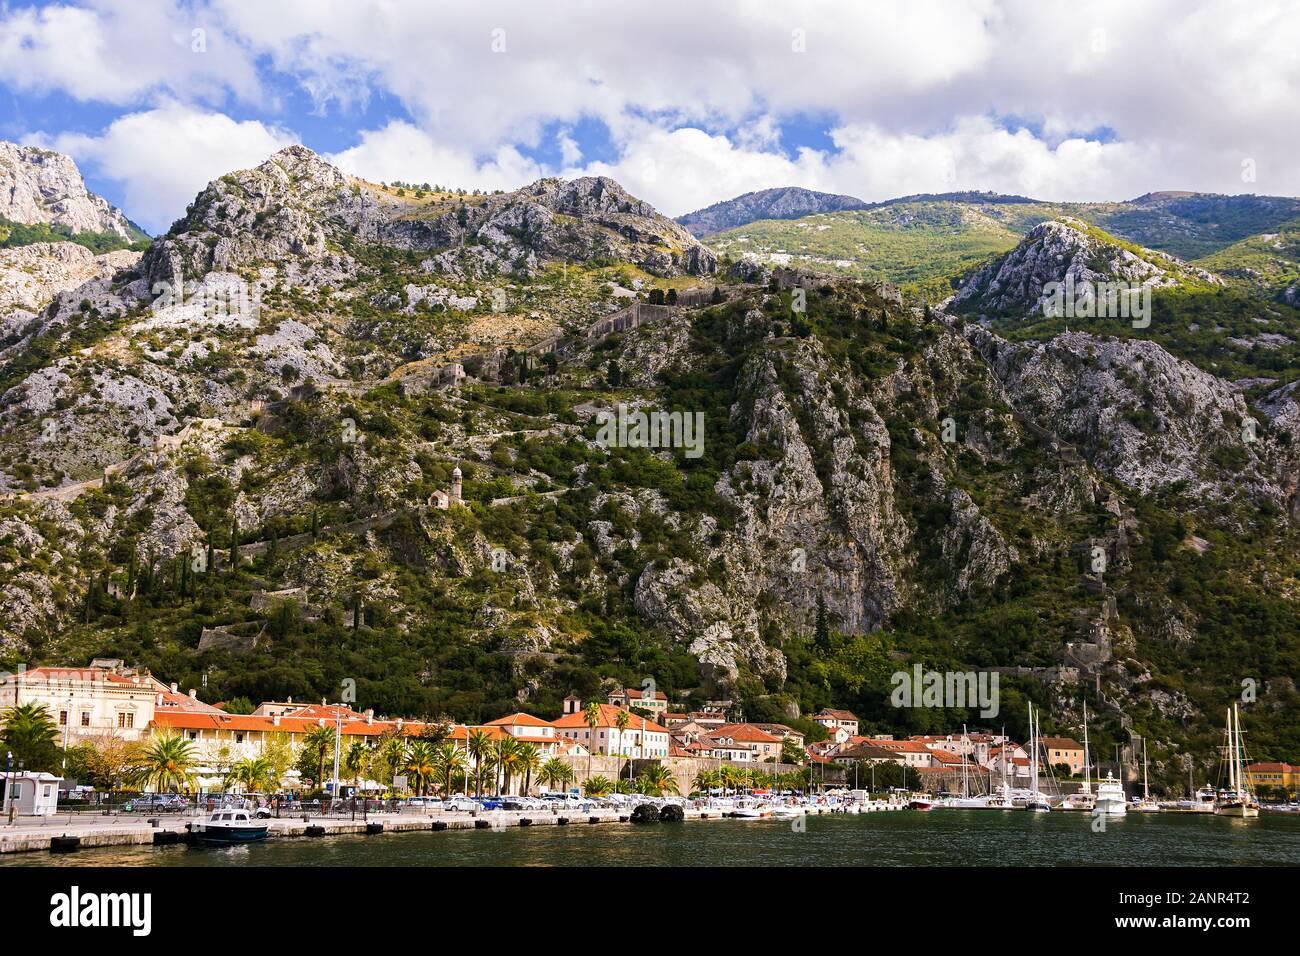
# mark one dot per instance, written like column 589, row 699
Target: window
column 85, row 718
column 125, row 719
column 63, row 718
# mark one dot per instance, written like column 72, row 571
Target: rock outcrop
column 1067, row 250
column 42, row 186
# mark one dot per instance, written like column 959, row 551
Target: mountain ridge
column 44, row 187
column 931, row 487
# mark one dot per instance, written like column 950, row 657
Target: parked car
column 158, row 803
column 489, row 803
column 459, row 804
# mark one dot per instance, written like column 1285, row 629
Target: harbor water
column 940, row 838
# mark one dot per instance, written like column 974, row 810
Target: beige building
column 529, row 729
column 104, row 699
column 656, row 702
column 641, row 738
column 1064, row 750
column 837, row 719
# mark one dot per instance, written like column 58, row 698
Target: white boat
column 1083, row 800
column 1237, row 800
column 1111, row 800
column 1037, row 801
column 747, row 809
column 789, row 810
column 228, row 826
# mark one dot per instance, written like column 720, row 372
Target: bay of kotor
column 943, row 838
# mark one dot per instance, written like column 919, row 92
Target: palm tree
column 320, row 740
column 507, row 754
column 592, row 714
column 355, row 760
column 706, row 780
column 166, row 762
column 450, row 761
column 733, row 778
column 393, row 752
column 254, row 774
column 598, row 786
column 529, row 762
column 29, row 734
column 555, row 773
column 421, row 764
column 656, row 781
column 479, row 744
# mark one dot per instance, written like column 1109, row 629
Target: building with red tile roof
column 641, row 738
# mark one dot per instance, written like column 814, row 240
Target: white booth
column 33, row 794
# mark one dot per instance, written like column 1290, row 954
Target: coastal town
column 117, row 733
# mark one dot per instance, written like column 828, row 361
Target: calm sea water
column 944, row 837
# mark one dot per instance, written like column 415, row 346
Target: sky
column 684, row 103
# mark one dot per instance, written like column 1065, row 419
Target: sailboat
column 1037, row 801
column 1236, row 800
column 1083, row 800
column 966, row 801
column 1146, row 804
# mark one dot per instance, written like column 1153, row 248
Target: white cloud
column 909, row 90
column 401, row 151
column 119, row 52
column 163, row 157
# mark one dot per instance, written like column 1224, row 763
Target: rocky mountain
column 296, row 208
column 926, row 243
column 1068, row 250
column 43, row 187
column 229, row 461
column 784, row 202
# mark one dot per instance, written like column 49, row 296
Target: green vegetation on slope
column 21, row 234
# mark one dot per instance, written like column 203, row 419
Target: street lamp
column 9, row 786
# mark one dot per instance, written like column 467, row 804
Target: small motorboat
column 227, row 826
column 922, row 803
column 751, row 810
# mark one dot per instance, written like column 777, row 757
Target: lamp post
column 9, row 784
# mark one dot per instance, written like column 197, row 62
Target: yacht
column 1110, row 797
column 229, row 825
column 1236, row 800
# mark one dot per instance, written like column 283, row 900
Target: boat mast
column 1087, row 754
column 1033, row 756
column 1145, row 795
column 965, row 784
column 1231, row 753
